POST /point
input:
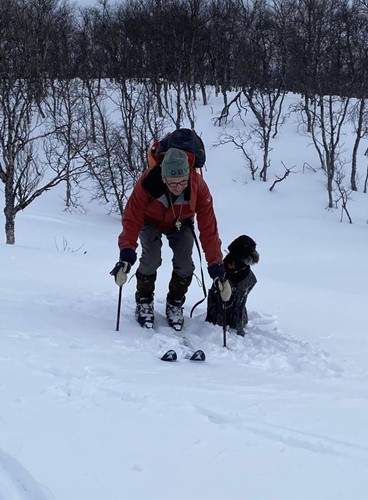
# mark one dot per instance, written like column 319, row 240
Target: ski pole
column 119, row 307
column 224, row 322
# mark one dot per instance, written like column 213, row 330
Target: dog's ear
column 242, row 247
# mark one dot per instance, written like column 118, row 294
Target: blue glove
column 128, row 255
column 216, row 271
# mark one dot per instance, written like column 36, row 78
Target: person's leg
column 150, row 239
column 181, row 243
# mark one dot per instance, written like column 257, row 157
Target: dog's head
column 242, row 252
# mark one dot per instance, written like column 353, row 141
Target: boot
column 144, row 311
column 144, row 314
column 175, row 317
column 178, row 287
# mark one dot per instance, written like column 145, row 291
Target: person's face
column 176, row 185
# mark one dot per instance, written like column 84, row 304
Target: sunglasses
column 176, row 184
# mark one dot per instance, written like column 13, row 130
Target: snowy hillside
column 90, row 413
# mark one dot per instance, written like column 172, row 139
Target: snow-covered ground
column 90, row 413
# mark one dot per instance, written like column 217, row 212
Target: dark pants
column 181, row 244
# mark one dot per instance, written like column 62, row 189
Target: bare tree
column 225, row 112
column 126, row 119
column 240, row 140
column 366, row 174
column 266, row 106
column 343, row 193
column 288, row 171
column 68, row 108
column 359, row 118
column 22, row 130
column 328, row 117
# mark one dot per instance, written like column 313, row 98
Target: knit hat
column 175, row 163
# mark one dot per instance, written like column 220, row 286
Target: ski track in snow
column 290, row 437
column 16, row 483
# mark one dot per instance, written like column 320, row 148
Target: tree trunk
column 158, row 87
column 204, row 95
column 308, row 114
column 330, row 170
column 9, row 225
column 266, row 163
column 358, row 136
column 187, row 107
column 9, row 197
column 178, row 105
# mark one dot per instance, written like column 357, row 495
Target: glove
column 224, row 289
column 122, row 268
column 216, row 271
column 120, row 272
column 128, row 255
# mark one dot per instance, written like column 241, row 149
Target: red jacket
column 149, row 202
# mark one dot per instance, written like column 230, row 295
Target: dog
column 242, row 254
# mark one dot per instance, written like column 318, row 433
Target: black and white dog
column 242, row 254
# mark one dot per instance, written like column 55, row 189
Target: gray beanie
column 175, row 163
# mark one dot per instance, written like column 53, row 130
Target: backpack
column 183, row 138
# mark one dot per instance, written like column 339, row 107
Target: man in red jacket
column 165, row 200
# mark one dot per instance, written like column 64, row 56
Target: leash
column 205, row 291
column 200, row 263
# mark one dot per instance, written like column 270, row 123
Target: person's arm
column 133, row 217
column 207, row 225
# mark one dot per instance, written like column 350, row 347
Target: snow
column 90, row 413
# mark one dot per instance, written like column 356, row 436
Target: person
column 165, row 201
